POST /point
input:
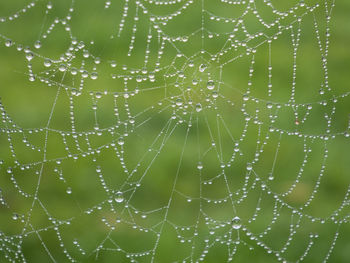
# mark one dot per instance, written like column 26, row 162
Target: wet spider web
column 172, row 131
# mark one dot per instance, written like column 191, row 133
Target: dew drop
column 74, row 71
column 198, row 107
column 199, row 166
column 94, row 75
column 15, row 216
column 47, row 62
column 271, row 177
column 210, row 85
column 249, row 166
column 245, row 97
column 97, row 60
column 113, row 64
column 121, row 141
column 202, row 67
column 62, row 68
column 49, row 5
column 69, row 190
column 84, row 74
column 37, row 44
column 8, row 43
column 236, row 223
column 29, row 56
column 107, row 4
column 178, row 102
column 139, row 78
column 119, row 198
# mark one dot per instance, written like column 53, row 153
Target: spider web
column 173, row 131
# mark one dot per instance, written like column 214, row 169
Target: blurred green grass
column 29, row 105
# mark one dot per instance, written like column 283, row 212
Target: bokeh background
column 151, row 150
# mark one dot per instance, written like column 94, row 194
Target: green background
column 168, row 160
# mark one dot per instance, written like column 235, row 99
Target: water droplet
column 236, row 223
column 121, row 141
column 74, row 71
column 84, row 74
column 119, row 198
column 139, row 78
column 15, row 216
column 245, row 97
column 94, row 75
column 62, row 68
column 49, row 5
column 178, row 102
column 202, row 67
column 97, row 60
column 69, row 190
column 271, row 177
column 210, row 85
column 37, row 44
column 249, row 166
column 29, row 56
column 198, row 107
column 113, row 64
column 8, row 43
column 107, row 4
column 199, row 166
column 47, row 62
column 98, row 95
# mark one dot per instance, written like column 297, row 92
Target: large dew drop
column 210, row 85
column 29, row 56
column 119, row 198
column 236, row 223
column 47, row 62
column 202, row 67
